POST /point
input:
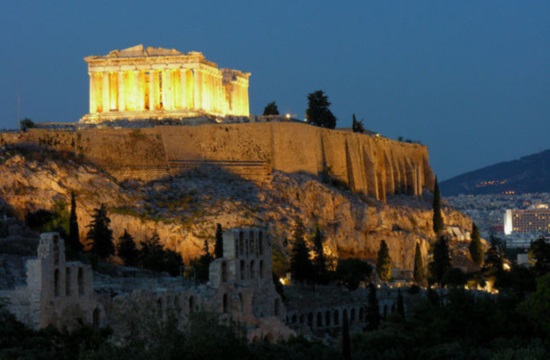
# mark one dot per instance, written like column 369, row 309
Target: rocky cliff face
column 184, row 210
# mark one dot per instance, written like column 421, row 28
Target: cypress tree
column 126, row 249
column 418, row 265
column 373, row 311
column 74, row 237
column 271, row 109
column 318, row 112
column 218, row 245
column 100, row 234
column 437, row 218
column 476, row 248
column 357, row 126
column 319, row 261
column 383, row 262
column 441, row 259
column 300, row 264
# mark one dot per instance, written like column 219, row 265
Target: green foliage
column 218, row 246
column 319, row 260
column 154, row 257
column 54, row 220
column 357, row 126
column 436, row 206
column 537, row 306
column 26, row 124
column 476, row 248
column 271, row 109
column 455, row 277
column 351, row 272
column 384, row 262
column 441, row 260
column 539, row 255
column 318, row 112
column 201, row 265
column 301, row 266
column 419, row 271
column 73, row 240
column 100, row 233
column 127, row 250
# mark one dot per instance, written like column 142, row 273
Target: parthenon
column 155, row 83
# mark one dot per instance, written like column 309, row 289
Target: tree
column 437, row 218
column 441, row 259
column 418, row 265
column 100, row 234
column 154, row 257
column 373, row 311
column 383, row 262
column 218, row 246
column 301, row 267
column 357, row 126
column 351, row 272
column 476, row 248
column 539, row 255
column 319, row 260
column 271, row 109
column 318, row 112
column 202, row 264
column 74, row 236
column 127, row 250
column 26, row 124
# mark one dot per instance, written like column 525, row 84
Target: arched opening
column 310, row 320
column 191, row 304
column 352, row 315
column 224, row 271
column 319, row 319
column 261, row 269
column 251, row 241
column 327, row 318
column 96, row 318
column 225, row 303
column 301, row 318
column 252, row 270
column 242, row 269
column 159, row 305
column 80, row 276
column 68, row 282
column 277, row 305
column 361, row 313
column 294, row 319
column 261, row 243
column 345, row 314
column 336, row 318
column 241, row 243
column 56, row 282
column 56, row 250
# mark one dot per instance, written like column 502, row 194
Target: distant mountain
column 530, row 174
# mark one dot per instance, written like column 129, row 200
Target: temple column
column 165, row 89
column 154, row 90
column 183, row 92
column 121, row 92
column 197, row 90
column 105, row 92
column 113, row 91
column 93, row 103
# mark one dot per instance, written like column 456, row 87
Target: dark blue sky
column 470, row 79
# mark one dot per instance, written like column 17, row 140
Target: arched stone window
column 327, row 318
column 352, row 315
column 261, row 269
column 224, row 271
column 294, row 319
column 225, row 303
column 301, row 318
column 310, row 320
column 252, row 270
column 345, row 314
column 251, row 242
column 56, row 282
column 241, row 302
column 241, row 243
column 96, row 318
column 68, row 282
column 319, row 319
column 56, row 250
column 81, row 290
column 191, row 304
column 336, row 317
column 159, row 305
column 242, row 269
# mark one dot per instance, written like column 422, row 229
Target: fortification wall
column 372, row 165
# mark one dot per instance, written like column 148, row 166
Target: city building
column 140, row 83
column 535, row 219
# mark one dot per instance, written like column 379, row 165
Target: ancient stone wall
column 371, row 165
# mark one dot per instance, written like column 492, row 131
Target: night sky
column 470, row 79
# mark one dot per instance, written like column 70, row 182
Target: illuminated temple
column 154, row 83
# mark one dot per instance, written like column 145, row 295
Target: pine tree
column 271, row 109
column 74, row 237
column 127, row 250
column 300, row 264
column 319, row 260
column 100, row 234
column 441, row 260
column 318, row 112
column 383, row 262
column 476, row 248
column 218, row 245
column 418, row 265
column 346, row 342
column 357, row 126
column 437, row 218
column 373, row 311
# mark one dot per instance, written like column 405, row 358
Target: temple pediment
column 140, row 51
